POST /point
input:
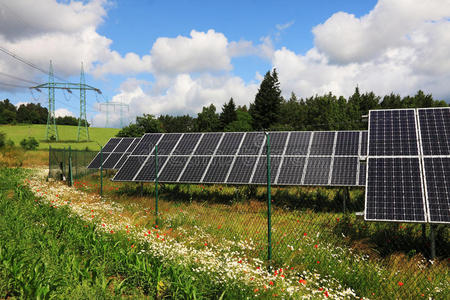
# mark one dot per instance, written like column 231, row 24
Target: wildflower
column 302, row 281
column 206, row 244
column 318, row 262
column 271, row 282
column 316, row 245
column 400, row 283
column 256, row 290
column 326, row 293
column 132, row 246
column 112, row 231
column 305, row 234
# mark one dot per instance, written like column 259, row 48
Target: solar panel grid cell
column 260, row 176
column 437, row 175
column 112, row 160
column 347, row 143
column 128, row 171
column 146, row 144
column 252, row 143
column 111, row 144
column 187, row 144
column 167, row 143
column 195, row 169
column 344, row 171
column 298, row 143
column 242, row 169
column 148, row 171
column 230, row 143
column 172, row 168
column 218, row 169
column 322, row 143
column 291, row 170
column 435, row 131
column 97, row 161
column 123, row 145
column 208, row 144
column 317, row 171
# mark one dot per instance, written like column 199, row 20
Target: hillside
column 67, row 135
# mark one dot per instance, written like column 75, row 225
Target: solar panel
column 123, row 145
column 344, row 171
column 291, row 170
column 111, row 161
column 435, row 130
column 363, row 147
column 322, row 143
column 132, row 166
column 237, row 157
column 148, row 171
column 362, row 174
column 394, row 190
column 392, row 132
column 218, row 169
column 317, row 171
column 121, row 161
column 96, row 162
column 437, row 179
column 111, row 144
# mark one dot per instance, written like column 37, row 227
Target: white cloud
column 281, row 27
column 400, row 46
column 62, row 112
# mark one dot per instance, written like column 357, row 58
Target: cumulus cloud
column 400, row 46
column 182, row 94
column 62, row 112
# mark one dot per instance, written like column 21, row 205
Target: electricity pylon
column 82, row 120
column 51, row 85
column 52, row 130
column 121, row 107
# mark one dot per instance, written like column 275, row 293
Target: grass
column 47, row 252
column 67, row 135
column 376, row 260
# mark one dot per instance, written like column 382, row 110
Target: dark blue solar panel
column 394, row 190
column 392, row 132
column 322, row 143
column 230, row 143
column 195, row 169
column 437, row 175
column 148, row 171
column 362, row 174
column 167, row 143
column 347, row 143
column 317, row 171
column 133, row 145
column 111, row 144
column 298, row 143
column 97, row 161
column 242, row 169
column 435, row 131
column 187, row 143
column 173, row 168
column 218, row 169
column 122, row 161
column 112, row 160
column 364, row 136
column 260, row 176
column 252, row 143
column 208, row 144
column 123, row 145
column 146, row 144
column 130, row 168
column 277, row 143
column 291, row 170
column 344, row 170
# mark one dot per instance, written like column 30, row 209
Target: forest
column 271, row 111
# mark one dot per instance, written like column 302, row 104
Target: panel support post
column 156, row 183
column 424, row 233
column 101, row 171
column 269, row 200
column 141, row 190
column 433, row 242
column 49, row 160
column 70, row 167
column 346, row 197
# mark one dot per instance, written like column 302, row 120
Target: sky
column 174, row 57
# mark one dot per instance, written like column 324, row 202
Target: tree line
column 30, row 113
column 271, row 111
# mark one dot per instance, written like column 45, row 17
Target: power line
column 30, row 64
column 13, row 85
column 18, row 78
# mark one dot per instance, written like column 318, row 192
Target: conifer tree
column 228, row 113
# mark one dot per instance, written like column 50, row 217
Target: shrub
column 29, row 144
column 2, row 139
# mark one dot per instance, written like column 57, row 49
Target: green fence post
column 269, row 205
column 64, row 163
column 70, row 167
column 49, row 161
column 101, row 171
column 156, row 183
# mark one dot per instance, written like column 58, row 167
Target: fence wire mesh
column 58, row 163
column 317, row 233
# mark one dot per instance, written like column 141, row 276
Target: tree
column 228, row 113
column 148, row 123
column 266, row 108
column 177, row 123
column 2, row 139
column 292, row 114
column 207, row 120
column 131, row 130
column 243, row 122
column 7, row 112
column 29, row 144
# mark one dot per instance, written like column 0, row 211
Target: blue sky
column 173, row 57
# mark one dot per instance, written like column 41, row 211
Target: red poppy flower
column 400, row 283
column 271, row 282
column 302, row 281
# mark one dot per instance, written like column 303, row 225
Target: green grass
column 48, row 253
column 67, row 135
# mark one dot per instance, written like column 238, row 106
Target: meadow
column 67, row 134
column 210, row 241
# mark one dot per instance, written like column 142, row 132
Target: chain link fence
column 67, row 163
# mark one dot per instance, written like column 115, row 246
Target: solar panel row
column 300, row 158
column 115, row 152
column 408, row 173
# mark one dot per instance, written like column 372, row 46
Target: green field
column 67, row 135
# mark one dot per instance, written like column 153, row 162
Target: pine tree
column 228, row 113
column 265, row 110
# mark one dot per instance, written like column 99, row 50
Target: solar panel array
column 297, row 158
column 115, row 152
column 408, row 166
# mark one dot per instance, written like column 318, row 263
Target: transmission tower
column 52, row 130
column 121, row 106
column 82, row 120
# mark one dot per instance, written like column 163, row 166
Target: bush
column 10, row 143
column 29, row 144
column 2, row 139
